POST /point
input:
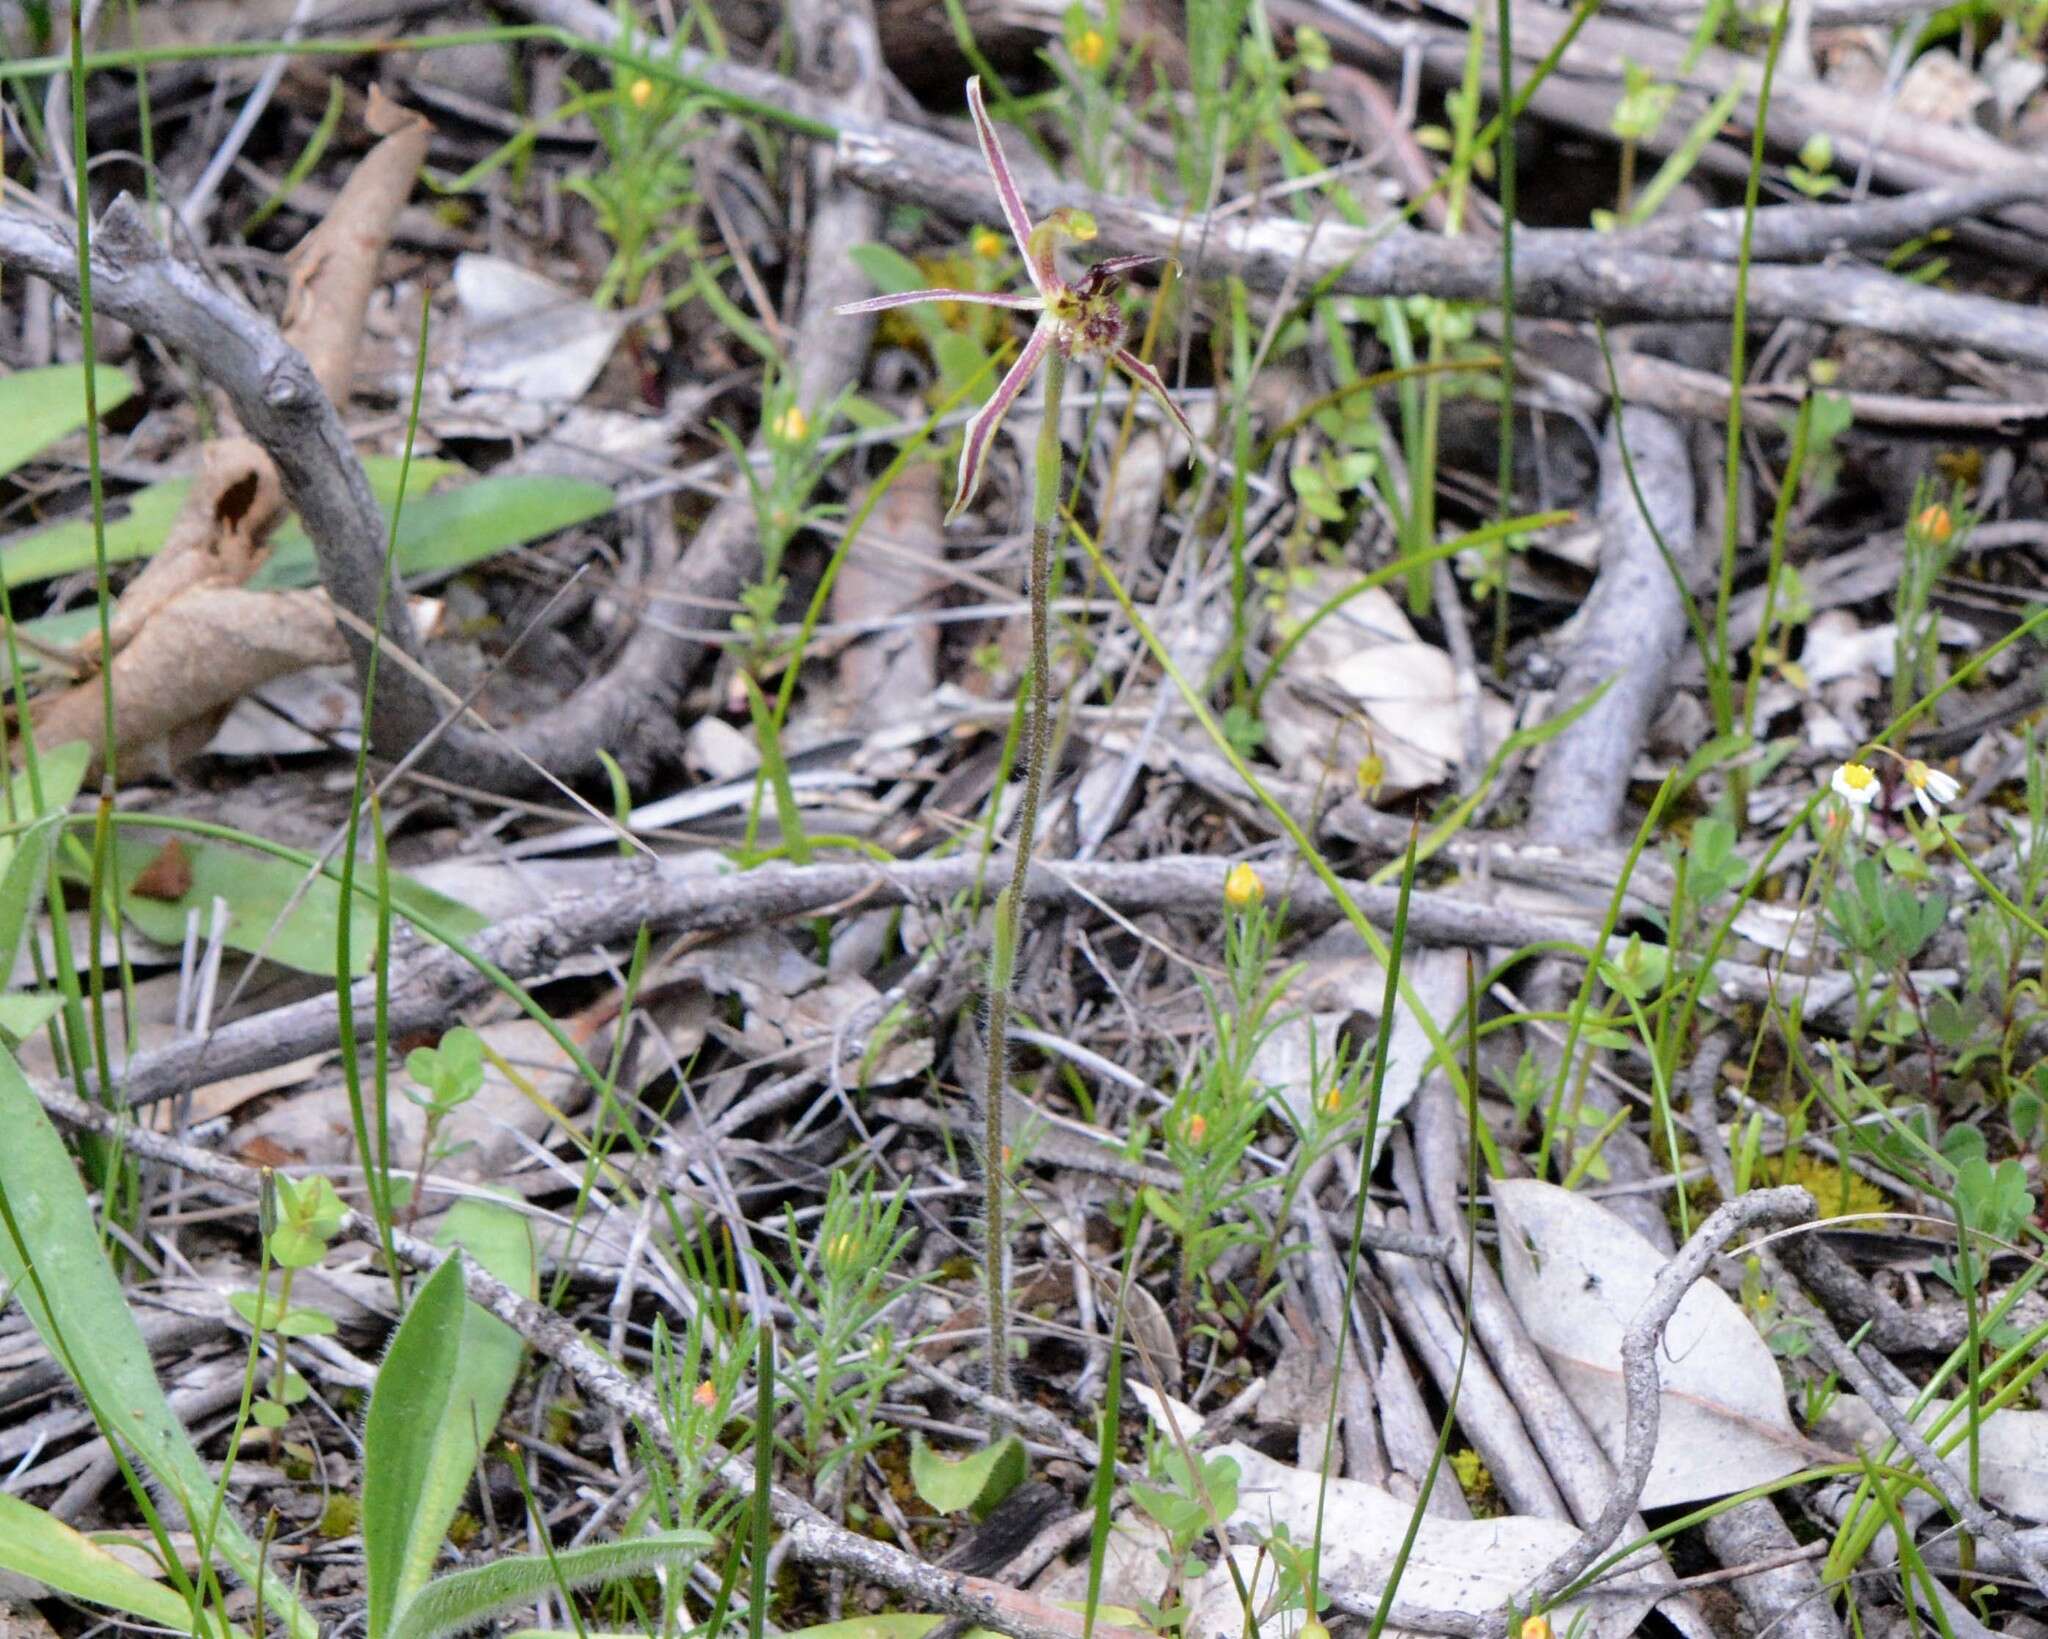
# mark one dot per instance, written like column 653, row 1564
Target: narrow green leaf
column 89, row 1323
column 38, row 407
column 137, row 525
column 462, row 1599
column 450, row 530
column 32, row 1544
column 260, row 892
column 25, row 856
column 978, row 1481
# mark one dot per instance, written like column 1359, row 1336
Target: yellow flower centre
column 1857, row 777
column 988, row 244
column 1916, row 775
column 642, row 93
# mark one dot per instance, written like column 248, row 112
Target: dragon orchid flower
column 1079, row 320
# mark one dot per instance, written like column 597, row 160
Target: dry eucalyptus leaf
column 1362, row 685
column 893, row 574
column 1471, row 1566
column 2012, row 1448
column 1578, row 1275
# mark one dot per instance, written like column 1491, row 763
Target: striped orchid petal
column 1148, row 378
column 977, row 298
column 1006, row 185
column 981, row 429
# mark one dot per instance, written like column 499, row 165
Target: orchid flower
column 1082, row 319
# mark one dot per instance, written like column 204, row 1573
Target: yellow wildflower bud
column 1536, row 1627
column 1333, row 1101
column 1090, row 49
column 705, row 1394
column 843, row 1249
column 1242, row 889
column 1197, row 1128
column 790, row 426
column 1312, row 1629
column 642, row 92
column 1372, row 774
column 988, row 244
column 1934, row 524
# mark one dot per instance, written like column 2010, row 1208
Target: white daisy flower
column 1855, row 784
column 1931, row 788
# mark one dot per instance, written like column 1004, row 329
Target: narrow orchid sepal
column 1118, row 268
column 1007, row 193
column 975, row 298
column 1149, row 379
column 981, row 427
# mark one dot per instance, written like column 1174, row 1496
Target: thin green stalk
column 1045, row 520
column 1724, row 590
column 1504, row 54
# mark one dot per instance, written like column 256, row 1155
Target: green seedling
column 447, row 1077
column 300, row 1218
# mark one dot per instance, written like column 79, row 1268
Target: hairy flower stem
column 1002, row 967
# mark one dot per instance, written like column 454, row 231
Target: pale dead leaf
column 2012, row 1448
column 1361, row 685
column 1471, row 1566
column 1578, row 1275
column 525, row 348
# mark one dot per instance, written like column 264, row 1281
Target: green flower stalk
column 1081, row 319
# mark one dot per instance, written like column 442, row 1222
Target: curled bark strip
column 215, row 540
column 194, row 659
column 1788, row 1205
column 334, row 268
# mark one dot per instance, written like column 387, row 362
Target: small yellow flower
column 1242, row 889
column 1855, row 784
column 1372, row 774
column 1934, row 524
column 987, row 244
column 790, row 426
column 1536, row 1627
column 1197, row 1128
column 1312, row 1629
column 1090, row 49
column 642, row 92
column 1333, row 1101
column 705, row 1394
column 843, row 1249
column 1930, row 787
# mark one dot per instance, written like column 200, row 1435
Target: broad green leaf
column 462, row 1599
column 38, row 407
column 32, row 1544
column 258, row 888
column 444, row 532
column 438, row 1397
column 411, row 1402
column 88, row 1324
column 22, row 1016
column 978, row 1481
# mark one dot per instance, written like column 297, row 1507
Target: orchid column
column 1081, row 320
